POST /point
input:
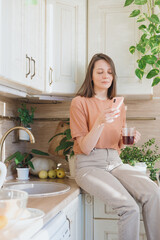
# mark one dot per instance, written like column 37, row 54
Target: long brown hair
column 87, row 88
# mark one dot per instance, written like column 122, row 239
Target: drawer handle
column 27, row 73
column 34, row 67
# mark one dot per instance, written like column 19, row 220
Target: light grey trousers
column 103, row 175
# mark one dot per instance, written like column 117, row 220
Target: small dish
column 31, row 214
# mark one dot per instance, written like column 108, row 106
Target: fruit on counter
column 61, row 173
column 3, row 221
column 43, row 174
column 52, row 173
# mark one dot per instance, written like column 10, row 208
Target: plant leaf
column 154, row 18
column 31, row 164
column 11, row 157
column 140, row 18
column 39, row 152
column 55, row 136
column 135, row 13
column 155, row 81
column 64, row 146
column 63, row 140
column 132, row 49
column 157, row 2
column 152, row 73
column 139, row 73
column 141, row 63
column 142, row 27
column 140, row 48
column 140, row 2
column 128, row 2
column 150, row 59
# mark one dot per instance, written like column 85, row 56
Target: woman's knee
column 131, row 208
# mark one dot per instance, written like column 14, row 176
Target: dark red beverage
column 128, row 140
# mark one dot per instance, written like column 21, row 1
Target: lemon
column 52, row 173
column 3, row 221
column 61, row 173
column 43, row 174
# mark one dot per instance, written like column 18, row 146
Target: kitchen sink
column 39, row 189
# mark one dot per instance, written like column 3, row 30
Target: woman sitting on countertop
column 96, row 129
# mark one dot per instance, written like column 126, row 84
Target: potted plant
column 23, row 162
column 66, row 144
column 147, row 153
column 148, row 46
column 26, row 117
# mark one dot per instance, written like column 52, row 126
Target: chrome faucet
column 31, row 137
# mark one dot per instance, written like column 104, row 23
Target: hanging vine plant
column 148, row 65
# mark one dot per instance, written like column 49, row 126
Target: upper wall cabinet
column 65, row 45
column 22, row 44
column 111, row 31
column 34, row 43
column 11, row 41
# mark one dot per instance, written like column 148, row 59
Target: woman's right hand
column 107, row 116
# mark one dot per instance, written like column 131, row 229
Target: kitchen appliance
column 58, row 228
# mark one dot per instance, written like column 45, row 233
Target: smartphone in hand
column 117, row 102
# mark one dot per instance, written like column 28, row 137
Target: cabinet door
column 112, row 32
column 74, row 213
column 65, row 45
column 33, row 38
column 11, row 41
column 108, row 230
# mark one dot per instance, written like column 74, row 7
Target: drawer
column 102, row 210
column 108, row 230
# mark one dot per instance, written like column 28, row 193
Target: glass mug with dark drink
column 128, row 134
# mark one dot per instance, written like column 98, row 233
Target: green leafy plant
column 23, row 160
column 146, row 153
column 66, row 144
column 149, row 42
column 26, row 116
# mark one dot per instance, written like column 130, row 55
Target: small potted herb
column 147, row 153
column 23, row 162
column 26, row 117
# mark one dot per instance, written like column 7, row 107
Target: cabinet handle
column 50, row 76
column 34, row 67
column 27, row 73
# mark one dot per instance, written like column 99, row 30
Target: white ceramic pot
column 22, row 173
column 72, row 166
column 23, row 135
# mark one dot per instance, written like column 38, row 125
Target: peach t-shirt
column 83, row 114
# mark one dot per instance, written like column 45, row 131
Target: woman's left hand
column 137, row 136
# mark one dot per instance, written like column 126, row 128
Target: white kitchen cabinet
column 11, row 41
column 101, row 221
column 67, row 224
column 111, row 31
column 65, row 45
column 34, row 43
column 22, row 44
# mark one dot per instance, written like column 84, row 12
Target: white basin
column 39, row 189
